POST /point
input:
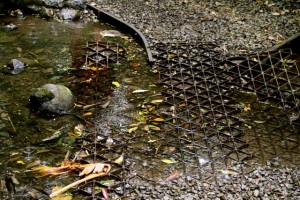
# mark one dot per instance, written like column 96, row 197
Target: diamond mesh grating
column 209, row 94
column 221, row 113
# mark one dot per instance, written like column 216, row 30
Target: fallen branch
column 64, row 189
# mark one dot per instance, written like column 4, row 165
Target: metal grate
column 228, row 113
column 94, row 146
column 221, row 114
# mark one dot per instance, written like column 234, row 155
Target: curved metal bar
column 292, row 42
column 126, row 27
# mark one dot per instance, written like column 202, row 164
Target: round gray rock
column 51, row 99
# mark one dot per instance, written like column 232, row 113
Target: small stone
column 256, row 193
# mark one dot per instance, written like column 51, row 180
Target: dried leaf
column 139, row 91
column 19, row 49
column 158, row 119
column 87, row 169
column 135, row 64
column 168, row 161
column 132, row 129
column 87, row 114
column 21, row 162
column 120, row 159
column 259, row 122
column 174, row 175
column 157, row 101
column 115, row 83
column 247, row 108
column 227, row 172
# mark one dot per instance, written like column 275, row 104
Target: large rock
column 75, row 3
column 69, row 14
column 54, row 3
column 51, row 99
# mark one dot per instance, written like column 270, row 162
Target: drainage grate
column 222, row 115
column 230, row 113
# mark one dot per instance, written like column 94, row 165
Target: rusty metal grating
column 229, row 113
column 221, row 114
column 98, row 58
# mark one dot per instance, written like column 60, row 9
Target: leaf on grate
column 95, row 168
column 158, row 119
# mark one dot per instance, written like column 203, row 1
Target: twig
column 64, row 189
column 12, row 124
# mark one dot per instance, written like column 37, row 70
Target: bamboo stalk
column 64, row 189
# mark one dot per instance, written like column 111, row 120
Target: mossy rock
column 52, row 99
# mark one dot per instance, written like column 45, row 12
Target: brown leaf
column 174, row 175
column 87, row 169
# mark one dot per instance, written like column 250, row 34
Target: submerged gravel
column 237, row 26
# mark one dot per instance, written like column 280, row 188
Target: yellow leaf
column 115, row 83
column 132, row 129
column 247, row 108
column 120, row 159
column 227, row 172
column 150, row 141
column 87, row 114
column 157, row 101
column 21, row 162
column 168, row 161
column 158, row 119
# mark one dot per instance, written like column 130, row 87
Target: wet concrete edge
column 124, row 27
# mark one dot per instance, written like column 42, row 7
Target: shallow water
column 52, row 52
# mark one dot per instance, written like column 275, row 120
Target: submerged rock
column 54, row 3
column 75, row 3
column 69, row 14
column 52, row 99
column 16, row 65
column 10, row 27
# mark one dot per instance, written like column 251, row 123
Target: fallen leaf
column 21, row 162
column 139, row 91
column 157, row 101
column 19, row 49
column 135, row 64
column 132, row 129
column 168, row 161
column 247, row 108
column 259, row 122
column 120, row 159
column 174, row 175
column 115, row 83
column 227, row 172
column 87, row 114
column 158, row 119
column 150, row 141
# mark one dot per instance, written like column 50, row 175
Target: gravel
column 263, row 183
column 237, row 26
